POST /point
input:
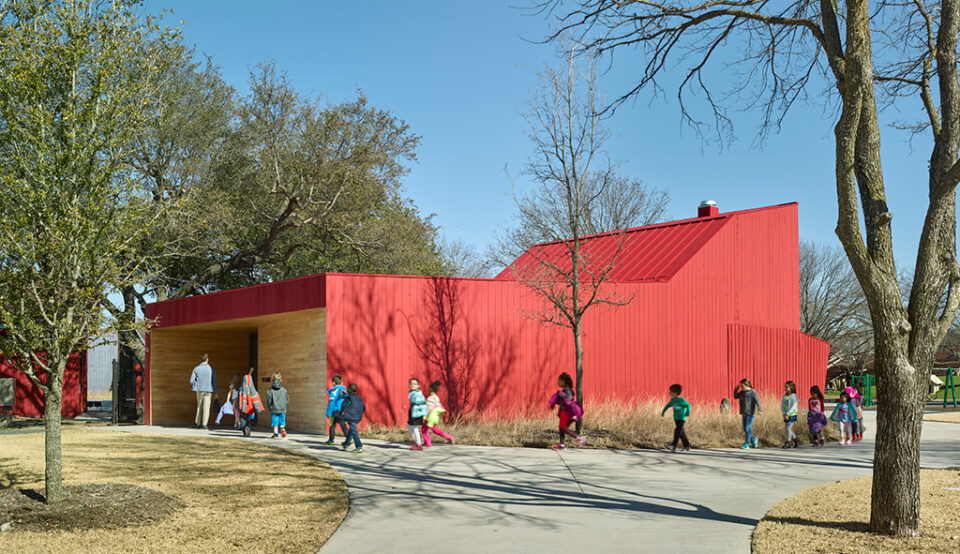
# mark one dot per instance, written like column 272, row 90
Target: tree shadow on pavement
column 498, row 487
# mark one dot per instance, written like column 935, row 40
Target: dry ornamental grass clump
column 614, row 424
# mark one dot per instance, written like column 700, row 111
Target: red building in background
column 714, row 299
column 28, row 398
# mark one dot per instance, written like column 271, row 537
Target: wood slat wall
column 173, row 355
column 294, row 344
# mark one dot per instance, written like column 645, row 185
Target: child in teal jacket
column 681, row 409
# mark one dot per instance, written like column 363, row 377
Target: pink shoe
column 559, row 447
column 581, row 440
column 416, row 447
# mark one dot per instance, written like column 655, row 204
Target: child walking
column 277, row 400
column 418, row 409
column 749, row 409
column 681, row 409
column 816, row 418
column 790, row 407
column 857, row 423
column 569, row 411
column 434, row 409
column 230, row 406
column 335, row 396
column 843, row 415
column 351, row 411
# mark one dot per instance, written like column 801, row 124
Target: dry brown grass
column 239, row 496
column 835, row 518
column 943, row 417
column 618, row 425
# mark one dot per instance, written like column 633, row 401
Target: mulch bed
column 108, row 506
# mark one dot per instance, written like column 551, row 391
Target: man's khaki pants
column 203, row 407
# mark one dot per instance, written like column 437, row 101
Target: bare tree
column 576, row 192
column 832, row 305
column 894, row 51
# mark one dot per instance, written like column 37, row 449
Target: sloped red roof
column 651, row 253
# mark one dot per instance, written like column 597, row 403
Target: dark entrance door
column 126, row 395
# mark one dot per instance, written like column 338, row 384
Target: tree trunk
column 895, row 506
column 52, row 452
column 579, row 349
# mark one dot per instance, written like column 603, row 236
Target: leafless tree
column 576, row 192
column 832, row 305
column 902, row 53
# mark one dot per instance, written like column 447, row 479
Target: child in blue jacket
column 335, row 396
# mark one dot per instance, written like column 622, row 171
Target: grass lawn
column 235, row 496
column 835, row 518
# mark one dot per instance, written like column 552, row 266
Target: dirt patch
column 943, row 417
column 835, row 518
column 86, row 507
column 236, row 495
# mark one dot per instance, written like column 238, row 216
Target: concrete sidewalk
column 481, row 499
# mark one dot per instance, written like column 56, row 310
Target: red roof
column 651, row 253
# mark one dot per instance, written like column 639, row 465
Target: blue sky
column 459, row 72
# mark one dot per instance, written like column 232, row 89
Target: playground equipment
column 949, row 387
column 866, row 383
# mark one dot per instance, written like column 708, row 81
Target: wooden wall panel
column 294, row 344
column 174, row 353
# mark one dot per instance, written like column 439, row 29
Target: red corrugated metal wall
column 29, row 400
column 770, row 357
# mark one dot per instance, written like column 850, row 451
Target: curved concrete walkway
column 481, row 499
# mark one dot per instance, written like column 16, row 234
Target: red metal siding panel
column 29, row 399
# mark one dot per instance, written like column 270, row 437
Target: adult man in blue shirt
column 204, row 383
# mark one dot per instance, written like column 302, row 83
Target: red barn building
column 713, row 299
column 28, row 400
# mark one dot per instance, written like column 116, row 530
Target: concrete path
column 480, row 499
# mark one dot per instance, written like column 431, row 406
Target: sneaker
column 344, row 446
column 451, row 440
column 416, row 447
column 746, row 446
column 753, row 442
column 823, row 442
column 672, row 448
column 205, row 428
column 331, row 441
column 581, row 440
column 275, row 436
column 559, row 447
column 786, row 445
column 283, row 432
column 358, row 451
column 685, row 449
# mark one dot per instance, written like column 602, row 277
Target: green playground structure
column 866, row 383
column 949, row 387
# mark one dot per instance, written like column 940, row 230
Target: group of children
column 848, row 414
column 345, row 408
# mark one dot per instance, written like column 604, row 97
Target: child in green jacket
column 681, row 409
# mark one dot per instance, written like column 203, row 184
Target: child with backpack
column 277, row 400
column 418, row 410
column 352, row 413
column 335, row 396
column 568, row 412
column 844, row 414
column 681, row 409
column 434, row 410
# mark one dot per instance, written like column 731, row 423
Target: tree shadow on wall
column 361, row 357
column 474, row 367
